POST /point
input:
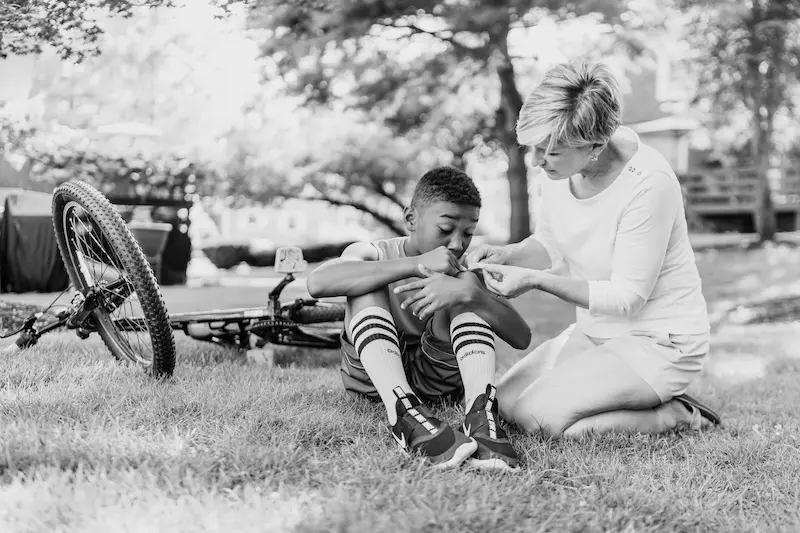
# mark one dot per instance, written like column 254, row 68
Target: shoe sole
column 705, row 411
column 494, row 464
column 461, row 454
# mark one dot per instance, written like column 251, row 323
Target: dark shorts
column 430, row 367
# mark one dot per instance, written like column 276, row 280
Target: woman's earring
column 594, row 157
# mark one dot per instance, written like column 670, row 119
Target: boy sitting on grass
column 439, row 347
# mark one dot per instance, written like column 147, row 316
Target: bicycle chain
column 269, row 324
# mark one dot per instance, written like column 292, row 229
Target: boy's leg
column 473, row 346
column 372, row 334
column 473, row 343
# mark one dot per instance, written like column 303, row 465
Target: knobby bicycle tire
column 134, row 266
column 320, row 312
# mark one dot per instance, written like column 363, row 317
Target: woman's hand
column 506, row 280
column 486, row 253
column 435, row 291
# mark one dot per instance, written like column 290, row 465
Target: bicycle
column 109, row 273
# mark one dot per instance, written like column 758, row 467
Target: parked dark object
column 29, row 257
column 229, row 254
column 175, row 258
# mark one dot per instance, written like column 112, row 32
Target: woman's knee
column 506, row 400
column 538, row 414
column 548, row 408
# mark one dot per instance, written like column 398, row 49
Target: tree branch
column 437, row 35
column 391, row 197
column 389, row 222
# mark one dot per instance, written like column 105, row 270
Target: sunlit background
column 260, row 135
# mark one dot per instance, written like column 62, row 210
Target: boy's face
column 443, row 224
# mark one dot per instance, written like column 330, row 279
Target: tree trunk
column 764, row 215
column 517, row 174
column 520, row 223
column 765, row 220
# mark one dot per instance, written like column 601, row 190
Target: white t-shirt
column 631, row 243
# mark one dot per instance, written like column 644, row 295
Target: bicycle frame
column 77, row 316
column 227, row 327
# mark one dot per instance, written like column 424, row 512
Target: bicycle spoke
column 104, row 271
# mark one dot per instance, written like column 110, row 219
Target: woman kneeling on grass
column 613, row 224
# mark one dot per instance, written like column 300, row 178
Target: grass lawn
column 87, row 444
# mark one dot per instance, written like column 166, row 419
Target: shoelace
column 419, row 417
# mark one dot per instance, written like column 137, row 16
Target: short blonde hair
column 576, row 104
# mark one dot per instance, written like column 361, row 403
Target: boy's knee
column 377, row 298
column 357, row 304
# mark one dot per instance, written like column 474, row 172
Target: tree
column 458, row 91
column 329, row 155
column 162, row 68
column 175, row 73
column 71, row 27
column 404, row 60
column 748, row 58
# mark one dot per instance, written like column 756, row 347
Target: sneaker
column 483, row 424
column 417, row 432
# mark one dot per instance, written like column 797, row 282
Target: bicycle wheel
column 105, row 262
column 319, row 312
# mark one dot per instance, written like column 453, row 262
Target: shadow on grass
column 306, row 358
column 202, row 354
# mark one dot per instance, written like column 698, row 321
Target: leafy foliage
column 437, row 71
column 330, row 155
column 70, row 26
column 439, row 76
column 57, row 157
column 748, row 58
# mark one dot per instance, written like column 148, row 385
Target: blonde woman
column 613, row 225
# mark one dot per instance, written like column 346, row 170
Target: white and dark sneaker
column 482, row 423
column 418, row 432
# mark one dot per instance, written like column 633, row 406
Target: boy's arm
column 437, row 292
column 499, row 314
column 360, row 271
column 357, row 271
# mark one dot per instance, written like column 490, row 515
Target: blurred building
column 656, row 107
column 292, row 221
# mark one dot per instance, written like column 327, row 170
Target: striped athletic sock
column 374, row 336
column 473, row 343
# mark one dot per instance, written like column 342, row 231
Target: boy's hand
column 440, row 260
column 486, row 253
column 434, row 292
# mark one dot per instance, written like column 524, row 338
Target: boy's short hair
column 445, row 184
